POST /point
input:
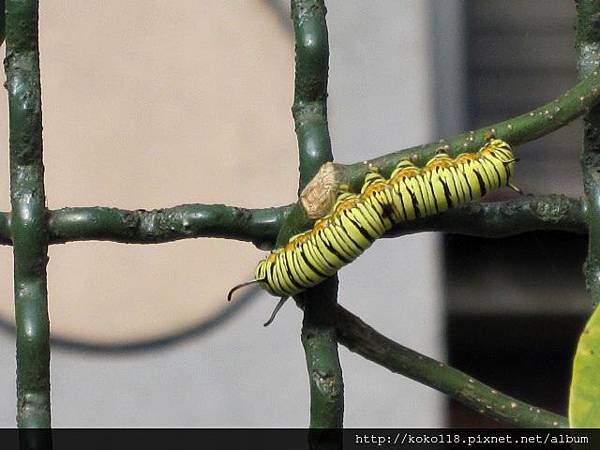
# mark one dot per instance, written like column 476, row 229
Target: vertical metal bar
column 29, row 214
column 314, row 145
column 310, row 87
column 2, row 21
column 588, row 43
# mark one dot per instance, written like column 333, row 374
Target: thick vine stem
column 259, row 226
column 29, row 215
column 360, row 338
column 588, row 44
column 314, row 148
column 516, row 131
column 506, row 218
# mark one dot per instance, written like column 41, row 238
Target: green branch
column 360, row 338
column 507, row 218
column 314, row 148
column 259, row 226
column 29, row 216
column 588, row 44
column 517, row 130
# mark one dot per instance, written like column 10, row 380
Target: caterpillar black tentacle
column 278, row 306
column 357, row 220
column 239, row 286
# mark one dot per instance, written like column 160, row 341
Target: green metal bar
column 259, row 226
column 502, row 219
column 314, row 146
column 5, row 233
column 588, row 44
column 29, row 215
column 2, row 21
column 322, row 359
column 310, row 90
column 360, row 338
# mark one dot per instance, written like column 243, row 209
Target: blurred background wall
column 148, row 105
column 515, row 307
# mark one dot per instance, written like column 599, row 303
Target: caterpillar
column 357, row 220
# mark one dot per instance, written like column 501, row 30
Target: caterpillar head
column 260, row 278
column 260, row 275
column 502, row 151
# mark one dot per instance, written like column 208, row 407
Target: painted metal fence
column 30, row 227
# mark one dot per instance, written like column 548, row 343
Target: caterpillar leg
column 280, row 303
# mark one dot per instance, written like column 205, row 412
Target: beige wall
column 149, row 105
column 161, row 97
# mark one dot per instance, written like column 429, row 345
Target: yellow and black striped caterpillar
column 357, row 220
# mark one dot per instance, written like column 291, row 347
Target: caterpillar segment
column 357, row 220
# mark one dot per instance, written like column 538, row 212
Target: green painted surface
column 588, row 13
column 29, row 214
column 314, row 149
column 259, row 226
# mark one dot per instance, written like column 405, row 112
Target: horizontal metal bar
column 259, row 226
column 505, row 218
